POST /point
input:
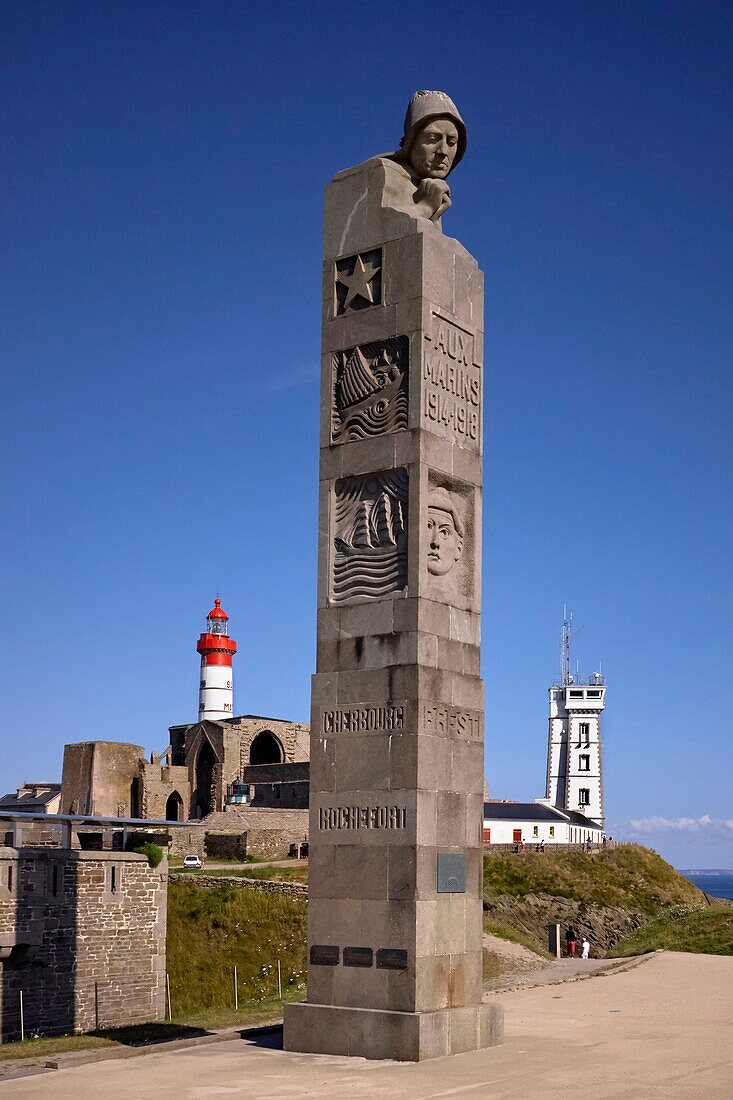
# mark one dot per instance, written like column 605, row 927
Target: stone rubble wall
column 89, row 955
column 290, row 889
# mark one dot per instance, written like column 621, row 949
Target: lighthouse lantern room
column 216, row 649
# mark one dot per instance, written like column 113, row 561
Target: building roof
column 28, row 801
column 534, row 811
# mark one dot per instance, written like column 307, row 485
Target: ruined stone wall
column 97, row 777
column 159, row 783
column 269, row 833
column 82, row 934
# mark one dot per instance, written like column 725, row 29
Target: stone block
column 491, row 1025
column 467, row 767
column 465, row 984
column 321, row 872
column 323, row 764
column 376, row 617
column 464, row 626
column 315, row 1029
column 402, row 269
column 335, row 921
column 372, row 866
column 360, row 987
column 363, row 762
column 432, row 982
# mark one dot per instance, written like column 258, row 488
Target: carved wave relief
column 370, row 536
column 369, row 395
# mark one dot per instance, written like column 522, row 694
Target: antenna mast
column 567, row 622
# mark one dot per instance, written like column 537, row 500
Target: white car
column 193, row 861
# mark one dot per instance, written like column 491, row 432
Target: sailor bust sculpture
column 413, row 179
column 433, row 143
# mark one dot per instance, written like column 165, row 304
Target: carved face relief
column 434, row 149
column 445, row 545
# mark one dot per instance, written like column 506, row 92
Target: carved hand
column 435, row 195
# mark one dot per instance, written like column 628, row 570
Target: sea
column 718, row 884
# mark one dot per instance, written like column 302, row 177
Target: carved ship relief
column 369, row 390
column 370, row 544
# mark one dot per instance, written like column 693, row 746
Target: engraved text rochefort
column 362, row 817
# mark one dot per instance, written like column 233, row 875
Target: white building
column 574, row 776
column 572, row 811
column 535, row 822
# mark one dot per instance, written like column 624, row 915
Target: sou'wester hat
column 426, row 105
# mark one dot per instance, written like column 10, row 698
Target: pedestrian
column 604, row 840
column 542, row 846
column 571, row 940
column 586, row 947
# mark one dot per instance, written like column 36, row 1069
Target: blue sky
column 160, row 190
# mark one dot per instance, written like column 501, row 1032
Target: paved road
column 659, row 1030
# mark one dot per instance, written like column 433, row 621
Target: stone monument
column 396, row 797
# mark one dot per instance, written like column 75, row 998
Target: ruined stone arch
column 201, row 801
column 174, row 807
column 266, row 748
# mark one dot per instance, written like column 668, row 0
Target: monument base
column 403, row 1036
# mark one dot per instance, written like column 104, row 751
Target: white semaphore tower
column 574, row 772
column 216, row 649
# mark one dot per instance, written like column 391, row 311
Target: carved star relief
column 358, row 284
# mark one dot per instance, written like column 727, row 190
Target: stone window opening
column 10, row 878
column 584, row 796
column 584, row 762
column 584, row 733
column 552, row 830
column 535, row 830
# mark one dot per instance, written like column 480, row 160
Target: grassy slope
column 212, row 930
column 628, row 876
column 705, row 931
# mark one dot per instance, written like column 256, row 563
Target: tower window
column 593, row 694
column 584, row 732
column 584, row 763
column 576, row 694
column 584, row 796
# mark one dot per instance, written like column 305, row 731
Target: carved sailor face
column 445, row 545
column 434, row 149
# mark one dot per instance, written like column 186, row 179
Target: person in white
column 586, row 948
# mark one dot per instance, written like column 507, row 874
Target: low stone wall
column 533, row 845
column 291, row 889
column 82, row 935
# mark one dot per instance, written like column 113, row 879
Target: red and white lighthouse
column 216, row 649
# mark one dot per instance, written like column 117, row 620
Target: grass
column 210, row 931
column 199, row 1023
column 628, row 876
column 707, row 931
column 143, row 1035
